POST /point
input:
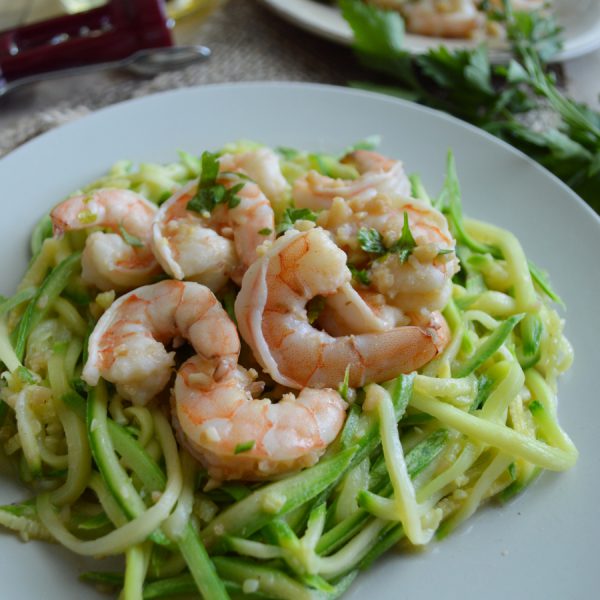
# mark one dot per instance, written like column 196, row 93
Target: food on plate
column 461, row 19
column 193, row 239
column 254, row 371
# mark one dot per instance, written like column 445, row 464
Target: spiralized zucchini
column 417, row 456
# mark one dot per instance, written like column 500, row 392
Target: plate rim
column 407, row 104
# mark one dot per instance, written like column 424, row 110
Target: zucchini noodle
column 136, row 530
column 416, row 457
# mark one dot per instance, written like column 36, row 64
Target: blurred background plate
column 581, row 20
column 544, row 544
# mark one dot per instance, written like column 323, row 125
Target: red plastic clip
column 108, row 33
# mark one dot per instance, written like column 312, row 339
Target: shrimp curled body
column 453, row 19
column 423, row 282
column 236, row 436
column 272, row 318
column 127, row 346
column 378, row 175
column 233, row 435
column 108, row 260
column 212, row 247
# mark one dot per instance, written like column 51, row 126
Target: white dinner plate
column 542, row 545
column 580, row 19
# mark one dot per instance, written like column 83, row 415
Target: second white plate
column 581, row 22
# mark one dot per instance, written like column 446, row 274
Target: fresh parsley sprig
column 360, row 275
column 371, row 241
column 502, row 99
column 291, row 215
column 210, row 193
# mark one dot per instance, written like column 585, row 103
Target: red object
column 108, row 33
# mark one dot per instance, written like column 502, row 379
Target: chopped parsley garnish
column 210, row 193
column 291, row 215
column 406, row 244
column 132, row 240
column 265, row 231
column 244, row 447
column 445, row 251
column 361, row 275
column 371, row 241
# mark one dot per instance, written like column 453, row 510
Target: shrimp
column 262, row 165
column 236, row 436
column 108, row 260
column 359, row 310
column 378, row 175
column 211, row 248
column 421, row 283
column 213, row 408
column 522, row 5
column 442, row 18
column 127, row 344
column 272, row 319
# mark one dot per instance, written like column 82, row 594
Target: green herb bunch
column 502, row 99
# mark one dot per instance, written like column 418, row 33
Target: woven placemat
column 249, row 43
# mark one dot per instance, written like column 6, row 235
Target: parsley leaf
column 230, row 197
column 370, row 241
column 406, row 244
column 361, row 275
column 244, row 447
column 210, row 169
column 210, row 193
column 291, row 215
column 132, row 240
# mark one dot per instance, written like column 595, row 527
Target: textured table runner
column 249, row 43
